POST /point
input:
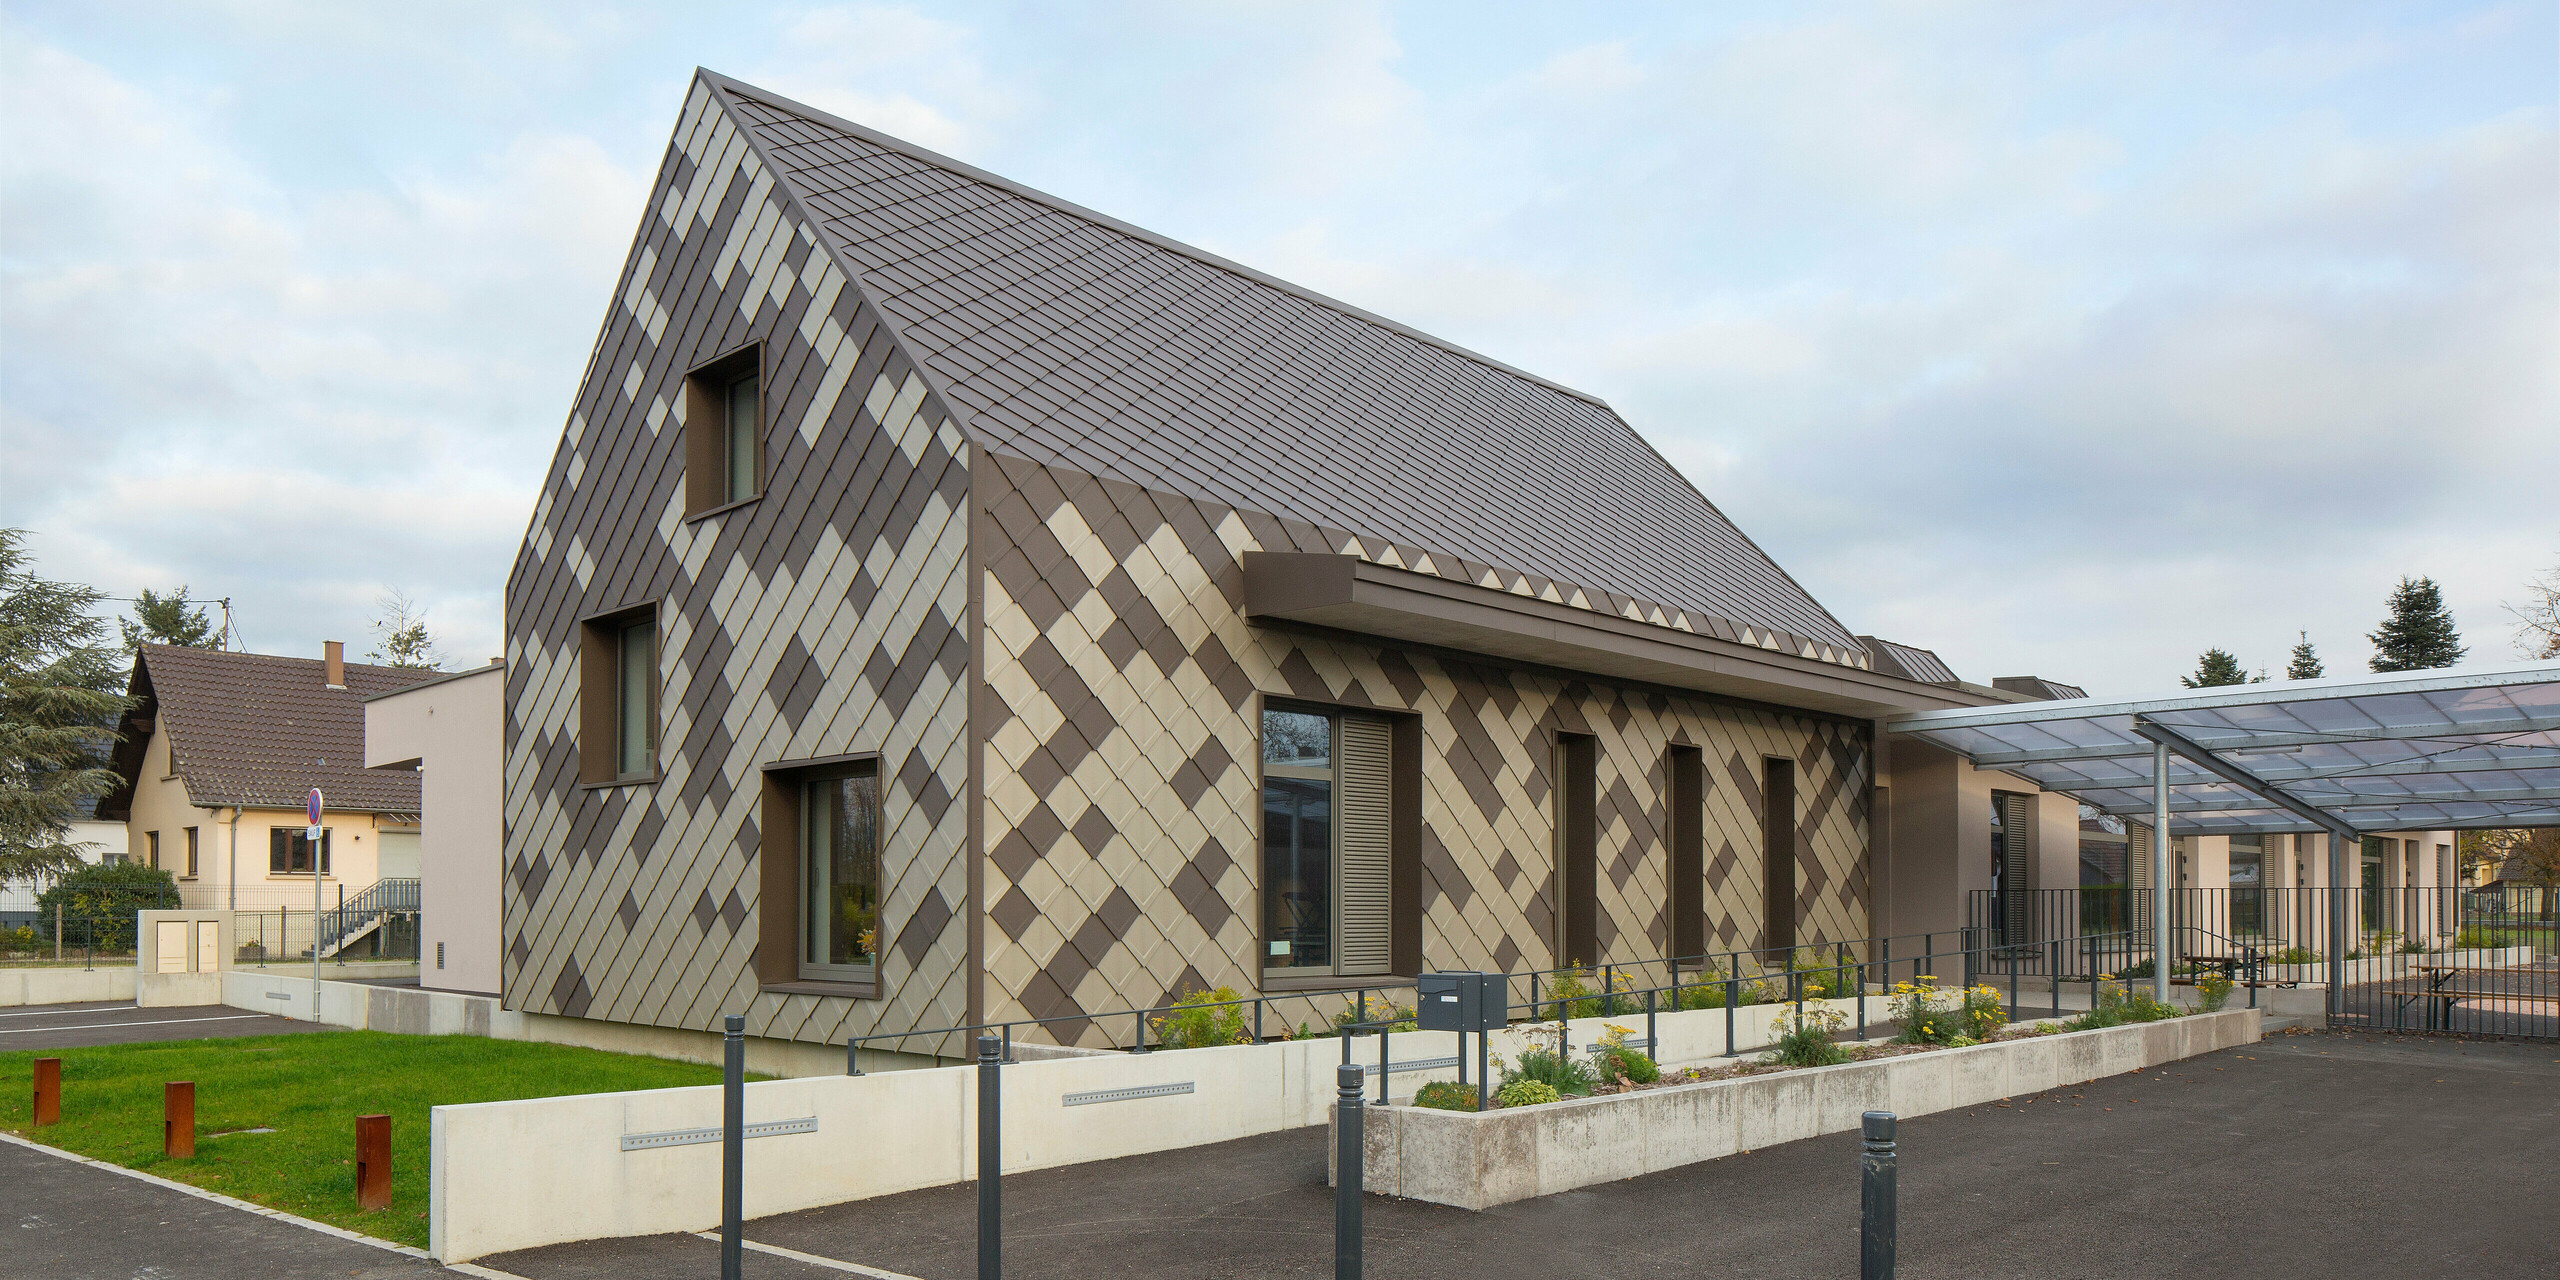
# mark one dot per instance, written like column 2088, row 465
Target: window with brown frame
column 724, row 432
column 1778, row 855
column 191, row 853
column 289, row 851
column 1687, row 776
column 618, row 697
column 1341, row 824
column 1577, row 801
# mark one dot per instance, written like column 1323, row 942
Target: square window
column 289, row 851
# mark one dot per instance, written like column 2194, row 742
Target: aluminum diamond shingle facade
column 1016, row 452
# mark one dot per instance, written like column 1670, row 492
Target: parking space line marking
column 849, row 1268
column 157, row 1022
column 56, row 1013
column 467, row 1268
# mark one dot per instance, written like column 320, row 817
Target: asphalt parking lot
column 79, row 1026
column 2326, row 1154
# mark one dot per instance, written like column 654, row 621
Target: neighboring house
column 217, row 754
column 948, row 603
column 97, row 840
column 1960, row 835
column 450, row 732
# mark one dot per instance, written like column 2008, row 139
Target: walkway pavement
column 79, row 1026
column 2313, row 1155
column 75, row 1221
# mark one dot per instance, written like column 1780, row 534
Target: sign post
column 311, row 856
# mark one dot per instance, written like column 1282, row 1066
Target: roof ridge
column 769, row 98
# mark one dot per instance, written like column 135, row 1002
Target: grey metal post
column 733, row 1144
column 1349, row 1132
column 2337, row 925
column 2160, row 871
column 990, row 1161
column 1876, row 1217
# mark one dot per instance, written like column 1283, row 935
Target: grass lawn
column 309, row 1089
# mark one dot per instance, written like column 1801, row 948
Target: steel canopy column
column 2337, row 925
column 2160, row 870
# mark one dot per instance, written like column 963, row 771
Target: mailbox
column 1461, row 1002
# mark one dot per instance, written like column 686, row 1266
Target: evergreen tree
column 2306, row 660
column 402, row 633
column 159, row 619
column 2419, row 635
column 2216, row 669
column 61, row 686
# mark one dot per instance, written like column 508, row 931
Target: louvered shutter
column 1362, row 812
column 2017, row 868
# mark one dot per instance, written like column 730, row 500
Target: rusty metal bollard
column 373, row 1162
column 178, row 1123
column 48, row 1102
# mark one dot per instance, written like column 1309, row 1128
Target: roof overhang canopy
column 1347, row 593
column 2420, row 751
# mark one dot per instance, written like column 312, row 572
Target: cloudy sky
column 2066, row 339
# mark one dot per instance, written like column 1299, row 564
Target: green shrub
column 1805, row 1040
column 1617, row 1061
column 2413, row 947
column 2213, row 990
column 1708, row 993
column 1445, row 1095
column 1399, row 1017
column 1203, row 1018
column 97, row 903
column 2122, row 1003
column 1545, row 1067
column 1949, row 1016
column 1821, row 976
column 2295, row 955
column 2473, row 937
column 1526, row 1093
column 19, row 940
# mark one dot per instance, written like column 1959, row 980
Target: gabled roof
column 1073, row 339
column 257, row 730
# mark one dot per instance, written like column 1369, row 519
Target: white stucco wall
column 453, row 730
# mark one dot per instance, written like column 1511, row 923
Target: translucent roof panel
column 2421, row 750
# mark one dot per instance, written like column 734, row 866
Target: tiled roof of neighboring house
column 1073, row 339
column 259, row 730
column 1909, row 663
column 2039, row 687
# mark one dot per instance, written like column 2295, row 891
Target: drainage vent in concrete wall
column 688, row 1137
column 1132, row 1093
column 1417, row 1064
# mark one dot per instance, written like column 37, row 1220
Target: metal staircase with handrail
column 351, row 922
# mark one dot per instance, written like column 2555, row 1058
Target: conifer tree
column 2216, row 669
column 159, row 619
column 2419, row 635
column 2306, row 660
column 61, row 688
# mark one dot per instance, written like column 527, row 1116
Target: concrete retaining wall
column 1475, row 1161
column 513, row 1175
column 66, row 986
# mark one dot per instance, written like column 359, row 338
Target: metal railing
column 1730, row 980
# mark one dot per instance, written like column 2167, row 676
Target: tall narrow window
column 840, row 875
column 618, row 698
column 1297, row 840
column 1577, row 849
column 743, row 433
column 191, row 853
column 1688, row 775
column 1778, row 855
column 2248, row 885
column 635, row 690
column 151, row 842
column 724, row 432
column 1329, row 804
